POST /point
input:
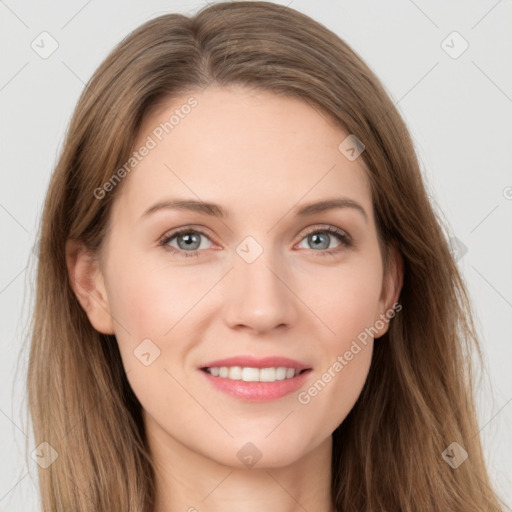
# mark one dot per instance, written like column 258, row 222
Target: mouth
column 256, row 380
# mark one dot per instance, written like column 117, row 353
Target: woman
column 258, row 367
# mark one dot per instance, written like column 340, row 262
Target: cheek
column 148, row 301
column 154, row 308
column 349, row 308
column 148, row 304
column 346, row 300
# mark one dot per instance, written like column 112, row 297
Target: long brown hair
column 418, row 397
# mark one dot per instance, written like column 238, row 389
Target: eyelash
column 344, row 238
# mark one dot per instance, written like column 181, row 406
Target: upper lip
column 257, row 362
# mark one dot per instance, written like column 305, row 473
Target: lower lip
column 257, row 391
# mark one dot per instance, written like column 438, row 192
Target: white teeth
column 281, row 373
column 235, row 373
column 268, row 374
column 248, row 374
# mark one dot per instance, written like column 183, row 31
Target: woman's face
column 261, row 281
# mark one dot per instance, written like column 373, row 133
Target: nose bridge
column 259, row 298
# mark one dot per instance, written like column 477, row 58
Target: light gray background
column 459, row 111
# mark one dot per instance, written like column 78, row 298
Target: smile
column 248, row 374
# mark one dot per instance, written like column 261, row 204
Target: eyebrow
column 215, row 210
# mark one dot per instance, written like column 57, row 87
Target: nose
column 260, row 296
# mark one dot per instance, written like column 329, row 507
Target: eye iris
column 191, row 240
column 316, row 236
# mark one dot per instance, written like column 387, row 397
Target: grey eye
column 319, row 240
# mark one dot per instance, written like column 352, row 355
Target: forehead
column 249, row 150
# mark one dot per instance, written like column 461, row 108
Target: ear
column 87, row 282
column 391, row 288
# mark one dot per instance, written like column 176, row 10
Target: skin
column 260, row 156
